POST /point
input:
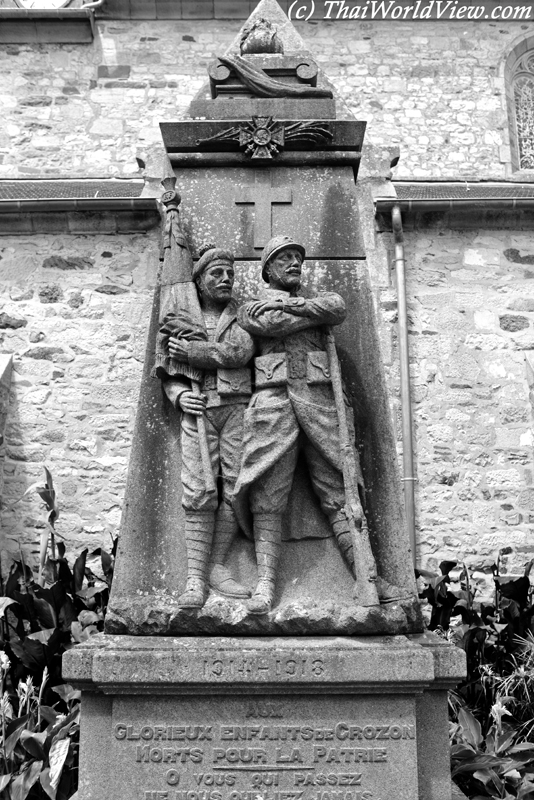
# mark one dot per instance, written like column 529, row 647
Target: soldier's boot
column 199, row 527
column 226, row 529
column 340, row 526
column 267, row 539
column 387, row 592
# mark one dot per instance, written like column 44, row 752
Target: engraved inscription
column 226, row 667
column 263, row 710
column 241, row 762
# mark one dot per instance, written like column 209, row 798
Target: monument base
column 327, row 718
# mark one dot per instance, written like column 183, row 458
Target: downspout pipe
column 395, row 207
column 406, row 402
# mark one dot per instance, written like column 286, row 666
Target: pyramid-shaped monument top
column 269, row 64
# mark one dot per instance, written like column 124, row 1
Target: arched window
column 517, row 73
column 523, row 93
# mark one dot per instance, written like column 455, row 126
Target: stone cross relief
column 262, row 195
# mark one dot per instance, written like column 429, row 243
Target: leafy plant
column 491, row 712
column 42, row 615
column 39, row 742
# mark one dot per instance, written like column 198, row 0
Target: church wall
column 74, row 311
column 435, row 88
column 471, row 337
column 92, row 110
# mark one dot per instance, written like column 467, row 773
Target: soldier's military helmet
column 211, row 256
column 275, row 246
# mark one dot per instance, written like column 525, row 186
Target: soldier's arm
column 236, row 351
column 327, row 308
column 182, row 397
column 294, row 314
column 174, row 388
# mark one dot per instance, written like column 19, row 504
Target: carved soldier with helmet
column 292, row 410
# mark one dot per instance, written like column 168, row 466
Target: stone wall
column 433, row 87
column 471, row 316
column 74, row 309
column 74, row 312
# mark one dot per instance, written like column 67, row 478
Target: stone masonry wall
column 75, row 313
column 433, row 87
column 471, row 335
column 74, row 309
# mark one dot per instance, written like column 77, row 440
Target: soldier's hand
column 258, row 307
column 192, row 403
column 178, row 348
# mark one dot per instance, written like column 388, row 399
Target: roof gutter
column 45, row 13
column 44, row 205
column 47, row 25
column 386, row 205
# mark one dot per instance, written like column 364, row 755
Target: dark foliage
column 41, row 616
column 492, row 711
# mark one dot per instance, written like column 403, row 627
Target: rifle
column 365, row 591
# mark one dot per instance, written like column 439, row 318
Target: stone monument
column 264, row 638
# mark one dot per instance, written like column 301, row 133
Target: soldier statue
column 292, row 409
column 210, row 340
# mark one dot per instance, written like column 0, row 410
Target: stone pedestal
column 327, row 718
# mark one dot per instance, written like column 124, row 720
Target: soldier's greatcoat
column 293, row 404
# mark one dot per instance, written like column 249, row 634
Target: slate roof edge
column 45, row 205
column 473, row 184
column 64, row 179
column 436, row 198
column 41, row 13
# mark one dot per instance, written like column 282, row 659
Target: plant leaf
column 4, row 780
column 513, row 774
column 49, row 714
column 67, row 614
column 526, row 790
column 13, row 733
column 23, row 783
column 471, row 727
column 67, row 692
column 62, row 726
column 88, row 618
column 34, row 743
column 4, row 603
column 45, row 613
column 43, row 636
column 77, row 633
column 56, row 757
column 481, row 762
column 43, row 550
column 79, row 570
column 45, row 783
column 447, row 566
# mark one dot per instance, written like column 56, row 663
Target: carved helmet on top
column 211, row 256
column 275, row 246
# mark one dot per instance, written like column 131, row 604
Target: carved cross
column 262, row 195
